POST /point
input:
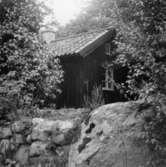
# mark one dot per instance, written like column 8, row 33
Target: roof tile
column 74, row 44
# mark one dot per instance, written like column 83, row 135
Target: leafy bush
column 141, row 46
column 8, row 111
column 29, row 72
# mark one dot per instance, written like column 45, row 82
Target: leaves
column 142, row 49
column 24, row 69
column 142, row 44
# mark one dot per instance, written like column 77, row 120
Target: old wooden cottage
column 85, row 59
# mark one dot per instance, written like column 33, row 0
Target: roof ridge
column 80, row 34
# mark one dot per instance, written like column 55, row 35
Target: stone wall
column 36, row 142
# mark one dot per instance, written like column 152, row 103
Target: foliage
column 95, row 99
column 8, row 111
column 141, row 43
column 142, row 47
column 29, row 73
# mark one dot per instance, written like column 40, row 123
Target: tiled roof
column 79, row 43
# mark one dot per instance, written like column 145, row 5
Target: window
column 109, row 82
column 108, row 49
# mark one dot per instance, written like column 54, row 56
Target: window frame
column 109, row 83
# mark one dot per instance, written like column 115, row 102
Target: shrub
column 29, row 72
column 142, row 44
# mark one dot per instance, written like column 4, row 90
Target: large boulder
column 109, row 138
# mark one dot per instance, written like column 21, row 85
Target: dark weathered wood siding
column 81, row 74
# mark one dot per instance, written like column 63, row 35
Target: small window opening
column 109, row 83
